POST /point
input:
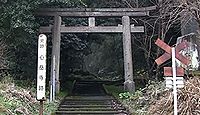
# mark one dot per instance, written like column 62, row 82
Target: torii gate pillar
column 129, row 84
column 55, row 60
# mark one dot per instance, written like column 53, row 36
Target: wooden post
column 56, row 51
column 129, row 84
column 41, row 108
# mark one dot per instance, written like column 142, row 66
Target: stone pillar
column 56, row 52
column 190, row 25
column 129, row 84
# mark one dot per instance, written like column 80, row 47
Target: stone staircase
column 90, row 99
column 90, row 105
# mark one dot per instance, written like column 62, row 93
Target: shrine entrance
column 91, row 13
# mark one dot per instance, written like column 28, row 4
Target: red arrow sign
column 168, row 71
column 166, row 56
column 163, row 58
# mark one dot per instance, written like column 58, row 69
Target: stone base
column 129, row 86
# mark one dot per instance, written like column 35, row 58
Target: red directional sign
column 168, row 71
column 166, row 56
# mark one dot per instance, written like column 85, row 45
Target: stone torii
column 91, row 13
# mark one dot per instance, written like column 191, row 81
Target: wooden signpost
column 41, row 70
column 177, row 80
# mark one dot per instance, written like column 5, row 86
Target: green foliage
column 130, row 96
column 14, row 98
column 62, row 94
column 9, row 106
column 19, row 30
column 2, row 109
column 125, row 95
column 139, row 102
column 27, row 84
column 114, row 90
column 50, row 108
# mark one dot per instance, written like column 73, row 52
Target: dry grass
column 16, row 100
column 188, row 100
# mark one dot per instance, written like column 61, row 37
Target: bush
column 139, row 102
column 17, row 100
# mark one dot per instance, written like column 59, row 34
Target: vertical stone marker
column 41, row 67
column 129, row 84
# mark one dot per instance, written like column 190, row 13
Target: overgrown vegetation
column 139, row 102
column 188, row 100
column 17, row 100
column 114, row 90
column 156, row 99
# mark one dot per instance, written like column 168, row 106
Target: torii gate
column 126, row 29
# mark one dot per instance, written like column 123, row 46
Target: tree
column 19, row 30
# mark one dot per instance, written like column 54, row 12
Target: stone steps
column 89, row 113
column 90, row 98
column 91, row 105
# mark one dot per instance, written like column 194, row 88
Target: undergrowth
column 114, row 90
column 156, row 99
column 19, row 97
column 139, row 102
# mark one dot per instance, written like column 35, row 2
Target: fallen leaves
column 188, row 100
